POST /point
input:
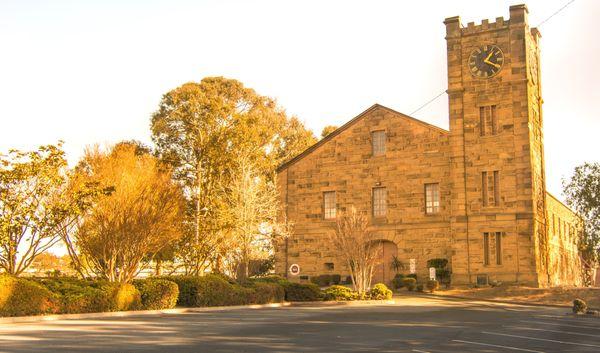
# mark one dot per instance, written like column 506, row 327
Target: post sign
column 432, row 273
column 295, row 269
column 413, row 266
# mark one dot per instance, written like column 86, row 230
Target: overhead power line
column 429, row 101
column 556, row 13
column 541, row 23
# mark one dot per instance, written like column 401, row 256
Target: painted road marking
column 498, row 346
column 541, row 339
column 416, row 350
column 556, row 324
column 541, row 329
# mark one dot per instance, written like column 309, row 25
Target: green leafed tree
column 200, row 128
column 583, row 194
column 36, row 204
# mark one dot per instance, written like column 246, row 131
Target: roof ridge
column 347, row 125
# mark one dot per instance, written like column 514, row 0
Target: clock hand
column 491, row 63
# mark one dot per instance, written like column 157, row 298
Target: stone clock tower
column 498, row 191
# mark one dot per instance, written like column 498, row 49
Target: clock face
column 486, row 61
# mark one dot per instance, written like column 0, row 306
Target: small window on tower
column 488, row 124
column 378, row 142
column 490, row 188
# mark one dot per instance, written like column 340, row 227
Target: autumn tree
column 358, row 246
column 583, row 194
column 328, row 130
column 35, row 205
column 141, row 216
column 199, row 129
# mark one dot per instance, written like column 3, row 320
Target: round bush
column 298, row 292
column 380, row 292
column 339, row 293
column 410, row 283
column 265, row 293
column 579, row 306
column 157, row 293
column 432, row 285
column 20, row 297
column 398, row 281
column 121, row 297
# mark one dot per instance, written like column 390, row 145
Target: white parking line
column 416, row 350
column 585, row 320
column 556, row 331
column 541, row 339
column 498, row 346
column 557, row 324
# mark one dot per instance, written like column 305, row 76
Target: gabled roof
column 349, row 124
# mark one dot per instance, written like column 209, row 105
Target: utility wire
column 556, row 13
column 541, row 23
column 429, row 101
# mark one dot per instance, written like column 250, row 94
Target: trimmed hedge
column 579, row 306
column 19, row 296
column 215, row 290
column 82, row 296
column 410, row 283
column 299, row 292
column 380, row 292
column 157, row 293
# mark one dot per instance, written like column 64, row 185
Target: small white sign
column 295, row 269
column 432, row 273
column 413, row 265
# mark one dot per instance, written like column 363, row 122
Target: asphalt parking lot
column 412, row 324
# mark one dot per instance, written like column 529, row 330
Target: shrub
column 437, row 263
column 322, row 280
column 336, row 279
column 348, row 280
column 121, row 297
column 579, row 306
column 157, row 293
column 420, row 288
column 432, row 285
column 380, row 292
column 410, row 283
column 298, row 292
column 412, row 275
column 398, row 281
column 19, row 296
column 265, row 292
column 336, row 292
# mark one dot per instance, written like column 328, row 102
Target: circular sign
column 295, row 269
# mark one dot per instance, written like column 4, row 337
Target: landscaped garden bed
column 40, row 296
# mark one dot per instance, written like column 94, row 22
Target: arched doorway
column 383, row 272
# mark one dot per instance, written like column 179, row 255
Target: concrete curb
column 499, row 301
column 55, row 317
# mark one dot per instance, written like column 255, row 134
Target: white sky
column 93, row 71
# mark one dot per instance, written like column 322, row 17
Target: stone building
column 475, row 195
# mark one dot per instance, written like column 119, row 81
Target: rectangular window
column 496, row 188
column 490, row 188
column 486, row 248
column 379, row 202
column 488, row 124
column 484, row 188
column 378, row 142
column 432, row 198
column 498, row 248
column 492, row 246
column 329, row 205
